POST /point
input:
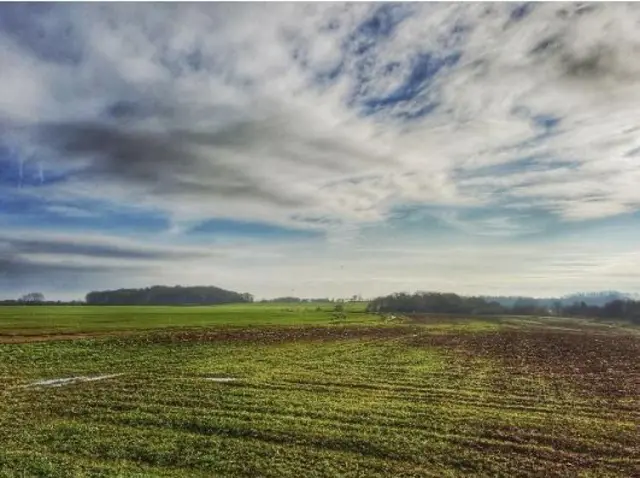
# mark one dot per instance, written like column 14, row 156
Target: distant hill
column 165, row 295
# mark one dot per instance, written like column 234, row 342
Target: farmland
column 34, row 320
column 201, row 392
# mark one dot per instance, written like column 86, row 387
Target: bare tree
column 32, row 298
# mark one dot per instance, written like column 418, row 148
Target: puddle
column 59, row 382
column 221, row 379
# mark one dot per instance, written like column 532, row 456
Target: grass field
column 437, row 398
column 22, row 320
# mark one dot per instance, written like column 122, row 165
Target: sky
column 320, row 149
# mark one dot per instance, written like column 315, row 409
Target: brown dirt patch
column 258, row 335
column 598, row 363
column 27, row 338
column 274, row 335
column 444, row 318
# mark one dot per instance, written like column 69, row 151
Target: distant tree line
column 448, row 303
column 616, row 309
column 433, row 302
column 37, row 298
column 589, row 298
column 46, row 302
column 165, row 295
column 618, row 306
column 296, row 300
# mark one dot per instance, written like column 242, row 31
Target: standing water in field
column 59, row 382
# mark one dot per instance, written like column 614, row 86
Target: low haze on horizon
column 320, row 150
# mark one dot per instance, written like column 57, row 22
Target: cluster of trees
column 448, row 303
column 433, row 302
column 32, row 297
column 46, row 302
column 164, row 295
column 37, row 298
column 616, row 309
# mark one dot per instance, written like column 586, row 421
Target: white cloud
column 71, row 264
column 258, row 112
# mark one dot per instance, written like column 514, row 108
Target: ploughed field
column 366, row 398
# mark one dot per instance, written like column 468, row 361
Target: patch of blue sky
column 440, row 222
column 454, row 38
column 424, row 222
column 546, row 122
column 413, row 93
column 10, row 169
column 220, row 228
column 189, row 62
column 360, row 47
column 541, row 121
column 409, row 215
column 521, row 10
column 409, row 222
column 329, row 76
column 418, row 113
column 521, row 147
column 621, row 228
column 18, row 174
column 42, row 29
column 545, row 127
column 517, row 166
column 415, row 97
column 28, row 210
column 379, row 26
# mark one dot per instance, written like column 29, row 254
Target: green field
column 312, row 397
column 78, row 319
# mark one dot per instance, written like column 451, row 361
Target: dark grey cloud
column 78, row 264
column 18, row 273
column 583, row 59
column 24, row 247
column 137, row 109
column 223, row 163
column 596, row 63
column 13, row 266
column 166, row 162
column 35, row 260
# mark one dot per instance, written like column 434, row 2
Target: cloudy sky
column 320, row 149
